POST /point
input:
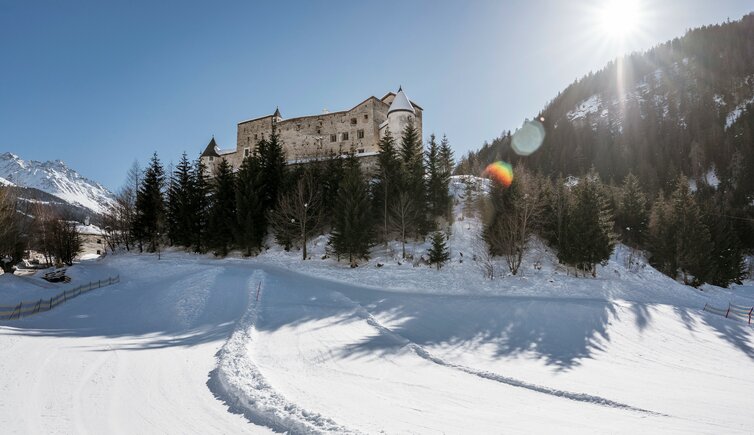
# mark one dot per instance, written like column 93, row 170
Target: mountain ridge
column 55, row 178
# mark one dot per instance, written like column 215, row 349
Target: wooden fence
column 29, row 308
column 732, row 312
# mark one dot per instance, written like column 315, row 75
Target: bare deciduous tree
column 403, row 216
column 510, row 233
column 298, row 215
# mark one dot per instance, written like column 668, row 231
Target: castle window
column 353, row 121
column 246, row 152
column 344, row 136
column 360, row 134
column 333, row 137
column 366, row 117
column 361, row 151
column 255, row 136
column 211, row 159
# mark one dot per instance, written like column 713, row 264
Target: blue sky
column 100, row 84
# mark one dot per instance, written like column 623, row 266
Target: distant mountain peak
column 55, row 178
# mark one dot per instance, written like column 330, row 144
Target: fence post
column 728, row 312
column 752, row 309
column 705, row 307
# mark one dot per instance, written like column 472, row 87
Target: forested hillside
column 683, row 107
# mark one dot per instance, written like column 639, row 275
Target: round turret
column 400, row 113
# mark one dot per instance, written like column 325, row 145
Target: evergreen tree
column 632, row 217
column 413, row 174
column 222, row 215
column 272, row 169
column 330, row 178
column 589, row 238
column 150, row 207
column 352, row 232
column 388, row 174
column 180, row 214
column 437, row 190
column 251, row 219
column 661, row 240
column 726, row 260
column 438, row 253
column 692, row 237
column 446, row 170
column 200, row 192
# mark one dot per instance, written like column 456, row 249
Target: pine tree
column 332, row 174
column 435, row 180
column 272, row 169
column 352, row 232
column 692, row 237
column 251, row 219
column 589, row 239
column 413, row 174
column 446, row 170
column 632, row 217
column 150, row 207
column 180, row 211
column 199, row 206
column 222, row 215
column 438, row 253
column 388, row 175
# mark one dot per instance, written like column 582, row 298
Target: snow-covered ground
column 191, row 344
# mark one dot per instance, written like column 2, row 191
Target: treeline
column 687, row 235
column 678, row 109
column 405, row 196
column 27, row 225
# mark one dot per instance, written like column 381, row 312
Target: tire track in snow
column 239, row 383
column 425, row 354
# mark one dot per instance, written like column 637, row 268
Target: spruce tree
column 199, row 206
column 272, row 169
column 632, row 217
column 590, row 238
column 413, row 174
column 332, row 175
column 251, row 220
column 352, row 233
column 180, row 209
column 438, row 253
column 388, row 175
column 446, row 170
column 150, row 207
column 222, row 215
column 692, row 237
column 437, row 191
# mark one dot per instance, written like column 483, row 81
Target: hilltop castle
column 317, row 136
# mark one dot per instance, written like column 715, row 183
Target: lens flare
column 528, row 138
column 500, row 171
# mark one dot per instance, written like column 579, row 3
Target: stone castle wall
column 322, row 135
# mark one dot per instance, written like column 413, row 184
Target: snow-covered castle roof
column 401, row 103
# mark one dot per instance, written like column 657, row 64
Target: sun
column 619, row 19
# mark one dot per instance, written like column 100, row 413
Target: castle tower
column 400, row 113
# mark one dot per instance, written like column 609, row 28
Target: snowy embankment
column 394, row 348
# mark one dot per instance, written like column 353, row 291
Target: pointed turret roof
column 277, row 113
column 211, row 150
column 401, row 103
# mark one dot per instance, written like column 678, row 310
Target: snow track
column 240, row 384
column 424, row 353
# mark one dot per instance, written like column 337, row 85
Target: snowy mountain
column 57, row 179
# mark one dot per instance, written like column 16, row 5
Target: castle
column 308, row 138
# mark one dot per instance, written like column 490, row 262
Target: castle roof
column 211, row 150
column 401, row 103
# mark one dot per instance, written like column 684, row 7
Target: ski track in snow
column 425, row 354
column 238, row 381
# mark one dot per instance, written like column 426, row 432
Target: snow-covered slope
column 392, row 346
column 55, row 178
